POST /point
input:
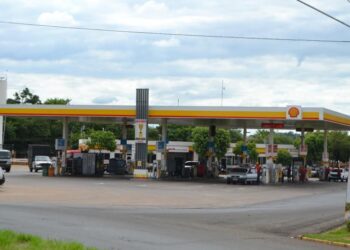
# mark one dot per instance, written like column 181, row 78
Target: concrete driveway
column 114, row 213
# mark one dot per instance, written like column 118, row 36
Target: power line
column 324, row 13
column 176, row 34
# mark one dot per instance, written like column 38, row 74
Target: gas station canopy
column 290, row 117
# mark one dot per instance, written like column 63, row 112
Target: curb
column 327, row 242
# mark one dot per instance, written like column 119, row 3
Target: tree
column 284, row 157
column 236, row 135
column 252, row 152
column 339, row 146
column 200, row 141
column 253, row 155
column 57, row 101
column 25, row 96
column 314, row 142
column 260, row 136
column 285, row 138
column 201, row 138
column 102, row 140
column 73, row 140
column 179, row 133
column 251, row 147
column 238, row 148
column 222, row 142
column 153, row 134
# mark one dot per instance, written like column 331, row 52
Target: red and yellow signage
column 294, row 113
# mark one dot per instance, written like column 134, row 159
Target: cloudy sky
column 92, row 67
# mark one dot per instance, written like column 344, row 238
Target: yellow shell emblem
column 293, row 112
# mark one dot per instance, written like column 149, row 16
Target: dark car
column 189, row 168
column 5, row 160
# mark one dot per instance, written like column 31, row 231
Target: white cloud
column 166, row 43
column 209, row 65
column 107, row 99
column 294, row 86
column 150, row 8
column 57, row 18
column 95, row 66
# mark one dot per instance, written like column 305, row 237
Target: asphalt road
column 264, row 225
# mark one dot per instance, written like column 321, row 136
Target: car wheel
column 228, row 181
column 8, row 170
column 2, row 181
column 36, row 170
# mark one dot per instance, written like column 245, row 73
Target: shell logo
column 293, row 112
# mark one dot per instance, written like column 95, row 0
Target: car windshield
column 239, row 170
column 252, row 171
column 42, row 158
column 5, row 155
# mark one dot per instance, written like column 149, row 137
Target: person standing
column 258, row 172
column 289, row 170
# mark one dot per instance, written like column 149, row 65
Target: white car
column 344, row 174
column 2, row 176
column 242, row 175
column 41, row 161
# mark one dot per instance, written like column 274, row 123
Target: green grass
column 341, row 235
column 10, row 240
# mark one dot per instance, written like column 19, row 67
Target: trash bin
column 51, row 171
column 45, row 170
column 201, row 170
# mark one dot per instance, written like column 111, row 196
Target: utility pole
column 222, row 93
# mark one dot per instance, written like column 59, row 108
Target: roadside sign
column 160, row 146
column 60, row 144
column 129, row 148
column 140, row 130
column 272, row 125
column 294, row 113
column 178, row 149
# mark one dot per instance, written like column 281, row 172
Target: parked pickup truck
column 41, row 161
column 36, row 150
column 241, row 175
